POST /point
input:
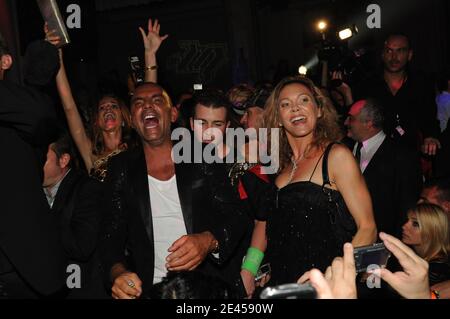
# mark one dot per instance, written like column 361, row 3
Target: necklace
column 295, row 166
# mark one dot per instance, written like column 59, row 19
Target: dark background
column 221, row 42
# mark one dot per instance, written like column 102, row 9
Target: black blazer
column 394, row 181
column 29, row 235
column 77, row 206
column 127, row 220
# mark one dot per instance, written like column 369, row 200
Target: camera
column 289, row 291
column 136, row 70
column 371, row 255
column 263, row 271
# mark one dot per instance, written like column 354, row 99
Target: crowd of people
column 137, row 223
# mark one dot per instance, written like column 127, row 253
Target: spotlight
column 348, row 33
column 303, row 70
column 322, row 25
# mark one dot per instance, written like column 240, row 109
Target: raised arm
column 152, row 41
column 74, row 121
column 344, row 171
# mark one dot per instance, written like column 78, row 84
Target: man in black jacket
column 407, row 98
column 391, row 171
column 31, row 257
column 74, row 200
column 155, row 209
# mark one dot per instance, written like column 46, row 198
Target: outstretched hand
column 412, row 282
column 152, row 40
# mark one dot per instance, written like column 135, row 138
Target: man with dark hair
column 73, row 198
column 391, row 172
column 211, row 112
column 31, row 257
column 254, row 109
column 437, row 192
column 407, row 98
column 243, row 180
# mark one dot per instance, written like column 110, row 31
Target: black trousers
column 12, row 286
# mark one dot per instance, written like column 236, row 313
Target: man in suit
column 31, row 257
column 73, row 198
column 391, row 171
column 156, row 210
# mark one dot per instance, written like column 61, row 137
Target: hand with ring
column 127, row 286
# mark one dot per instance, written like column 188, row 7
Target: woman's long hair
column 326, row 131
column 98, row 143
column 434, row 230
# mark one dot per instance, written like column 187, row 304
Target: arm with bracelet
column 152, row 41
column 252, row 261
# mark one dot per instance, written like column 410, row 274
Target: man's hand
column 412, row 282
column 127, row 286
column 152, row 40
column 339, row 281
column 53, row 39
column 344, row 88
column 431, row 146
column 443, row 289
column 50, row 36
column 188, row 252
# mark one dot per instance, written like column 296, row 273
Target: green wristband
column 253, row 260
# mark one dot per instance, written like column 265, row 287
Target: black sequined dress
column 304, row 231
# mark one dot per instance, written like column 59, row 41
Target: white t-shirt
column 168, row 221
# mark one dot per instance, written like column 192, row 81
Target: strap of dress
column 325, row 175
column 315, row 168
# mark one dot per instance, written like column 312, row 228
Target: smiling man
column 210, row 120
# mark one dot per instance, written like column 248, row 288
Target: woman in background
column 427, row 232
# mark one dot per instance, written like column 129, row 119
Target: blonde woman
column 321, row 198
column 427, row 232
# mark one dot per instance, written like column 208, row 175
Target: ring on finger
column 131, row 283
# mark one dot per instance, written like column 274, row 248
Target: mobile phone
column 263, row 271
column 377, row 255
column 289, row 291
column 136, row 69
